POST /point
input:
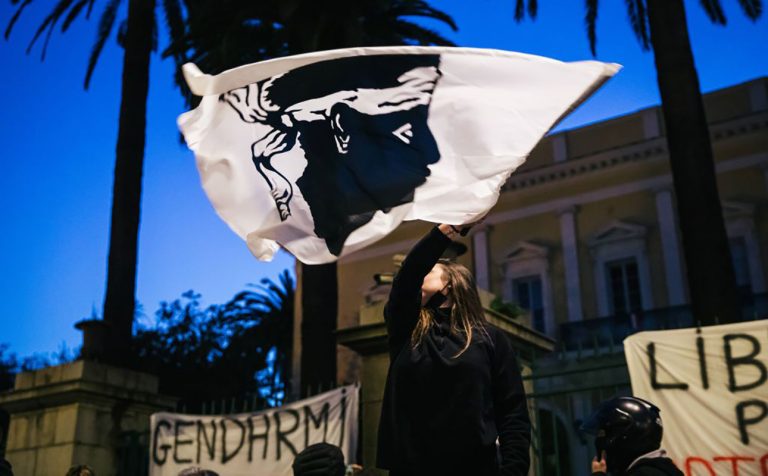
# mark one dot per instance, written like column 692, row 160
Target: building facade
column 587, row 227
column 585, row 238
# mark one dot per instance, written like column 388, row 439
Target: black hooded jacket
column 441, row 414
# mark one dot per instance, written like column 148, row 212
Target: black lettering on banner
column 281, row 435
column 702, row 360
column 225, row 457
column 343, row 416
column 179, row 425
column 165, row 447
column 322, row 419
column 253, row 437
column 745, row 422
column 210, row 444
column 655, row 384
column 732, row 362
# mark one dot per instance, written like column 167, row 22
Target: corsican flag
column 326, row 153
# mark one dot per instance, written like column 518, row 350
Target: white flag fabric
column 711, row 385
column 328, row 152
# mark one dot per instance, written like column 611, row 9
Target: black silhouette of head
column 362, row 123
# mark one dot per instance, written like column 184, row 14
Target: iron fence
column 566, row 389
column 587, row 368
column 133, row 447
column 612, row 330
column 133, row 454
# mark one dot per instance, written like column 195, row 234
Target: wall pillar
column 571, row 263
column 481, row 257
column 76, row 413
column 670, row 247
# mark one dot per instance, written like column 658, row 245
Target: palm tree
column 229, row 33
column 137, row 35
column 272, row 302
column 223, row 350
column 246, row 32
column 661, row 25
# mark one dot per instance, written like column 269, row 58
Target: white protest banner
column 711, row 385
column 328, row 152
column 254, row 444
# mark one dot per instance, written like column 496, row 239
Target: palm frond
column 421, row 9
column 90, row 9
column 533, row 8
column 521, row 9
column 106, row 22
column 122, row 31
column 174, row 20
column 714, row 11
column 420, row 35
column 49, row 24
column 638, row 19
column 72, row 15
column 752, row 8
column 590, row 20
column 15, row 17
column 287, row 281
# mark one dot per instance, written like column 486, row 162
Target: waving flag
column 326, row 153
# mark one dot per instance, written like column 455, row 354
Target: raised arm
column 402, row 309
column 511, row 410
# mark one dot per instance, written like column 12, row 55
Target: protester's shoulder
column 495, row 332
column 648, row 471
column 655, row 467
column 499, row 339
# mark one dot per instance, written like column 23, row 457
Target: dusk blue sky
column 58, row 156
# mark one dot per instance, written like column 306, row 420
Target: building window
column 527, row 282
column 623, row 286
column 527, row 292
column 621, row 269
column 740, row 263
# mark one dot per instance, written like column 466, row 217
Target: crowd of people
column 454, row 403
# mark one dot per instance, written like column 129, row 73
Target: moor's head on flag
column 326, row 153
column 355, row 127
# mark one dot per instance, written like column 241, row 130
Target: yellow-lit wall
column 613, row 172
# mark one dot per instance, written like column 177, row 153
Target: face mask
column 437, row 299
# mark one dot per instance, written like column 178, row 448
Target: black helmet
column 625, row 428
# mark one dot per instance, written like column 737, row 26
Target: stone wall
column 75, row 414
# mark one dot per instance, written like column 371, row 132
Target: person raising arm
column 453, row 386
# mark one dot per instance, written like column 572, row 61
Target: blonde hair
column 466, row 310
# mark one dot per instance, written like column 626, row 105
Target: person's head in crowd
column 81, row 470
column 197, row 472
column 321, row 459
column 625, row 428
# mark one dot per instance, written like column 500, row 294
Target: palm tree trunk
column 126, row 195
column 319, row 308
column 711, row 280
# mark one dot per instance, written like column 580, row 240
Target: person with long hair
column 454, row 386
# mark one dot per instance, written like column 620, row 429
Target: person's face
column 435, row 281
